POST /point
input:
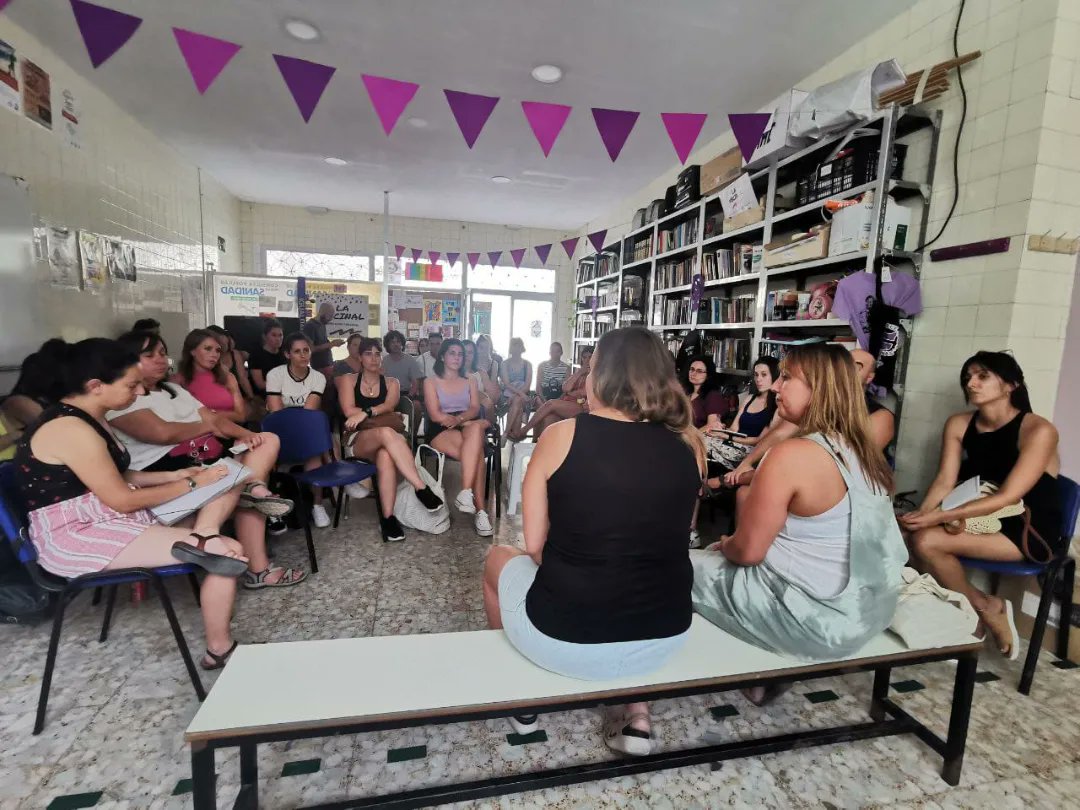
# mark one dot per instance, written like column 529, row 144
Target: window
column 524, row 279
column 296, row 263
column 415, row 274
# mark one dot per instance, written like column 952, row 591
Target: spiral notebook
column 177, row 509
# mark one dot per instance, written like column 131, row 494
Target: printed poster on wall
column 37, row 94
column 120, row 260
column 451, row 312
column 10, row 98
column 69, row 119
column 63, row 251
column 433, row 310
column 351, row 313
column 92, row 260
column 254, row 296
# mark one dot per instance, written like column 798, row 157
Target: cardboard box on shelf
column 775, row 141
column 747, row 217
column 814, row 245
column 851, row 227
column 720, row 171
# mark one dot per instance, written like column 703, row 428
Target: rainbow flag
column 416, row 271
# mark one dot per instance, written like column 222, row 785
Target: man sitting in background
column 315, row 331
column 428, row 358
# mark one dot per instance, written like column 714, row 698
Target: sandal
column 269, row 505
column 219, row 660
column 291, row 576
column 1014, row 637
column 207, row 560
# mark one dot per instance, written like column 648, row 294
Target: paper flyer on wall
column 120, row 260
column 92, row 261
column 69, row 119
column 37, row 94
column 413, row 300
column 63, row 252
column 10, row 98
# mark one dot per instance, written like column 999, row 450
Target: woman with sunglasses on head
column 369, row 403
column 1005, row 444
column 455, row 428
column 201, row 373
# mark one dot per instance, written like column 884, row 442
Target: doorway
column 505, row 316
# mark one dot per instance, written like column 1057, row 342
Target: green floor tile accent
column 720, row 712
column 301, row 766
column 823, row 696
column 907, row 686
column 986, row 676
column 182, row 787
column 1065, row 664
column 524, row 739
column 74, row 801
column 405, row 754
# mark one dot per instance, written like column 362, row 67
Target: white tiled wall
column 1019, row 166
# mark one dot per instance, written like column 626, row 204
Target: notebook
column 964, row 493
column 177, row 509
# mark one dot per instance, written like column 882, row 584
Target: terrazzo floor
column 117, row 712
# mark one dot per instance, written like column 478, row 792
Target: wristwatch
column 368, row 411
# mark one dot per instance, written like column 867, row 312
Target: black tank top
column 44, row 484
column 369, row 402
column 616, row 564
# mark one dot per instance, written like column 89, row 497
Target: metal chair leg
column 97, row 597
column 337, row 508
column 305, row 514
column 195, row 588
column 181, row 643
column 108, row 615
column 1038, row 630
column 50, row 659
column 1068, row 575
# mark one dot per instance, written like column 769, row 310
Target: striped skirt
column 82, row 535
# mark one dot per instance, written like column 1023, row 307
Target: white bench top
column 342, row 681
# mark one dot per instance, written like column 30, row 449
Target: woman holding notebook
column 1005, row 445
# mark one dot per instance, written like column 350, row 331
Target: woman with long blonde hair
column 603, row 586
column 813, row 571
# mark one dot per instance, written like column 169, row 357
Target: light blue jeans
column 589, row 662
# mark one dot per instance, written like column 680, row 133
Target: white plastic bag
column 847, row 101
column 407, row 507
column 928, row 615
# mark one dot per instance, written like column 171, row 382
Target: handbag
column 407, row 507
column 207, row 447
column 991, row 524
column 393, row 420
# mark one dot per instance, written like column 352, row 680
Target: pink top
column 210, row 392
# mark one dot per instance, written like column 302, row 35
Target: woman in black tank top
column 371, row 395
column 1002, row 442
column 603, row 588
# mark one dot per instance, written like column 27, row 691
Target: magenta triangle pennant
column 518, row 256
column 305, row 80
column 399, row 250
column 104, row 31
column 494, row 257
column 471, row 112
column 473, row 259
column 433, row 256
column 748, row 129
column 683, row 130
column 3, row 4
column 570, row 245
column 451, row 258
column 416, row 254
column 596, row 238
column 389, row 97
column 542, row 252
column 614, row 127
column 206, row 56
column 546, row 120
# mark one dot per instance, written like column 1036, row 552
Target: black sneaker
column 391, row 530
column 276, row 527
column 429, row 499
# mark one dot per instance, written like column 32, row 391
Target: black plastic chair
column 13, row 522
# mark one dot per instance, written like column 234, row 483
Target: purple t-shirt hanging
column 855, row 293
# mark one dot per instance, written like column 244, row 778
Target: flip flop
column 269, row 505
column 211, row 563
column 219, row 660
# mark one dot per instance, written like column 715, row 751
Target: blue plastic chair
column 305, row 434
column 1062, row 566
column 13, row 522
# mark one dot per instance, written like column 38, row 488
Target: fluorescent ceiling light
column 547, row 74
column 500, row 179
column 336, row 161
column 419, row 123
column 301, row 30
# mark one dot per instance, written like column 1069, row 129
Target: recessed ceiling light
column 500, row 179
column 317, row 209
column 336, row 161
column 547, row 74
column 419, row 123
column 301, row 30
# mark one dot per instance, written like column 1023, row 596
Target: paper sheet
column 964, row 493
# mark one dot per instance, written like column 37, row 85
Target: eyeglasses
column 697, row 370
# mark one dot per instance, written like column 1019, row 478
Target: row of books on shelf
column 777, row 345
column 676, row 274
column 671, row 310
column 586, row 271
column 739, row 309
column 681, row 235
column 633, row 292
column 642, row 249
column 727, row 353
column 606, row 264
column 607, row 295
column 589, row 329
column 739, row 260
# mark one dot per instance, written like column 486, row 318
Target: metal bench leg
column 50, row 659
column 181, row 643
column 881, row 692
column 203, row 789
column 963, row 688
column 1038, row 630
column 109, row 604
column 248, row 798
column 1068, row 575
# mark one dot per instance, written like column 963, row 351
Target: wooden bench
column 348, row 686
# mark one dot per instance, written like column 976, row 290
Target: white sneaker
column 464, row 502
column 482, row 524
column 525, row 723
column 319, row 516
column 695, row 539
column 357, row 491
column 620, row 736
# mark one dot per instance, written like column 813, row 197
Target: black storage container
column 853, row 166
column 669, row 201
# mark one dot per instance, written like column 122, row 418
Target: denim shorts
column 589, row 662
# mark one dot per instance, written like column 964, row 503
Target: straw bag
column 991, row 524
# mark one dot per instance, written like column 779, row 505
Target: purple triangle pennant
column 473, row 259
column 433, row 256
column 546, row 120
column 614, row 127
column 542, row 252
column 104, row 31
column 518, row 255
column 471, row 112
column 305, row 80
column 683, row 130
column 748, row 129
column 416, row 254
column 494, row 257
column 451, row 258
column 399, row 250
column 3, row 4
column 597, row 239
column 389, row 97
column 206, row 56
column 570, row 245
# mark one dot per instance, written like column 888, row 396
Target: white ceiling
column 674, row 56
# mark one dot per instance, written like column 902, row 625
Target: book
column 965, row 492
